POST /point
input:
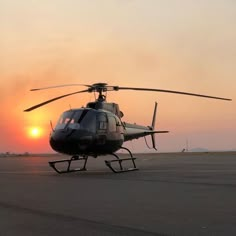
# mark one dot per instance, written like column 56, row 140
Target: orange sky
column 188, row 46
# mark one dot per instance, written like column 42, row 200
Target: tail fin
column 153, row 126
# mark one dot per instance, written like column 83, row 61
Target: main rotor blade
column 52, row 100
column 58, row 86
column 172, row 91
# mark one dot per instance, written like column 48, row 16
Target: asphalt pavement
column 170, row 194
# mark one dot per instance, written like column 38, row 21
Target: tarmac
column 171, row 194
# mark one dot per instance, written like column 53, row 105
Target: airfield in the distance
column 171, row 194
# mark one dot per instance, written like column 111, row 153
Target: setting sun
column 35, row 132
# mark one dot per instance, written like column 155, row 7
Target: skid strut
column 68, row 161
column 119, row 160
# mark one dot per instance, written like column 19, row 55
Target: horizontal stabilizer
column 158, row 132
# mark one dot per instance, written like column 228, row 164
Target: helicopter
column 98, row 129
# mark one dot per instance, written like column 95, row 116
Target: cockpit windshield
column 76, row 119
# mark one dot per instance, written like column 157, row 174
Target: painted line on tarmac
column 25, row 172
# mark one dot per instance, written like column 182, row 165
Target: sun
column 35, row 132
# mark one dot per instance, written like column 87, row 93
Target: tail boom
column 134, row 131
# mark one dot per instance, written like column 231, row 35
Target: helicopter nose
column 74, row 143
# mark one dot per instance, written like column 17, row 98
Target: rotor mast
column 100, row 88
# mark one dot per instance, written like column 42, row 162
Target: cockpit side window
column 87, row 120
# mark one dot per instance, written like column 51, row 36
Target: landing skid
column 68, row 161
column 121, row 169
column 110, row 163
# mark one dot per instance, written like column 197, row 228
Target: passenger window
column 112, row 124
column 102, row 125
column 102, row 122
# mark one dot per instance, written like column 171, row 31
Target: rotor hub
column 100, row 88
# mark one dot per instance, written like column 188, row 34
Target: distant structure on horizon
column 199, row 150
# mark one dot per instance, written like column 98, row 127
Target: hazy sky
column 179, row 45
